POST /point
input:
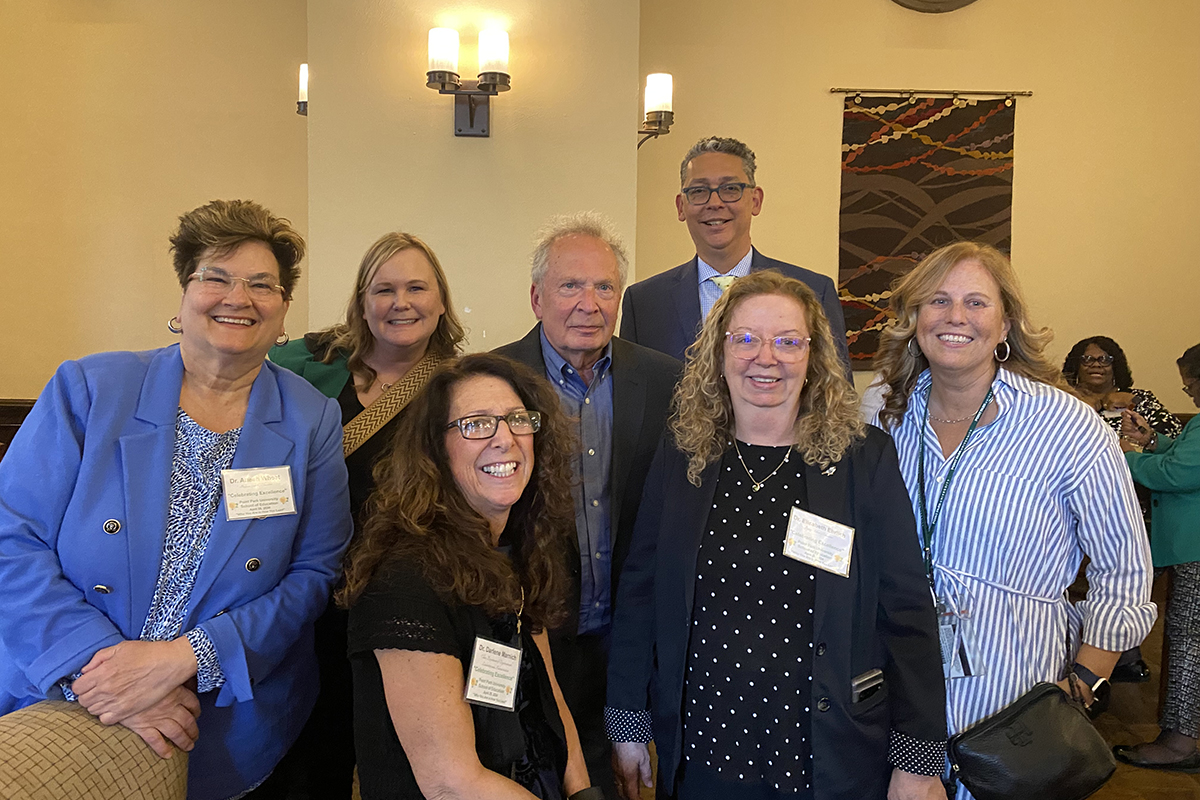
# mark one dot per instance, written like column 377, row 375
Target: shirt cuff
column 209, row 675
column 65, row 685
column 627, row 726
column 918, row 756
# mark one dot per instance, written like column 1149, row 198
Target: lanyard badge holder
column 961, row 656
column 494, row 671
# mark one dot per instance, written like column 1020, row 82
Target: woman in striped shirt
column 1012, row 481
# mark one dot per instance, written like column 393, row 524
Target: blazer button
column 823, row 704
column 821, row 649
column 253, row 564
column 112, row 526
column 100, row 588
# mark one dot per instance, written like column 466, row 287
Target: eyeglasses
column 1103, row 360
column 1188, row 385
column 484, row 426
column 746, row 346
column 218, row 283
column 728, row 192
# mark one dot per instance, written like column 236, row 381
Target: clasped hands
column 142, row 685
column 1135, row 431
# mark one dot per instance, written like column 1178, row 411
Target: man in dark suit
column 718, row 199
column 620, row 392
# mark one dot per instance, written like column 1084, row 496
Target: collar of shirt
column 558, row 370
column 740, row 269
column 1006, row 387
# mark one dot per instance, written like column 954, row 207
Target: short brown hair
column 219, row 227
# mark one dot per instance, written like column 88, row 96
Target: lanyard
column 929, row 523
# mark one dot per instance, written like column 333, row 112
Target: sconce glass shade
column 659, row 89
column 493, row 51
column 443, row 50
column 303, row 98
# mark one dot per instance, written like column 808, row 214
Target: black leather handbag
column 1041, row 746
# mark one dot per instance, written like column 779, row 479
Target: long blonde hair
column 899, row 369
column 353, row 338
column 702, row 421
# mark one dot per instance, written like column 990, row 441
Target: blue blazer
column 663, row 311
column 84, row 494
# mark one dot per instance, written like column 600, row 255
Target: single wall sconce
column 658, row 119
column 302, row 101
column 472, row 99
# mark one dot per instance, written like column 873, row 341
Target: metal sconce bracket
column 657, row 123
column 472, row 99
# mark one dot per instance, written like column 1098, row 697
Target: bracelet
column 1153, row 443
column 590, row 793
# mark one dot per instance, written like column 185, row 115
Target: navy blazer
column 881, row 616
column 663, row 311
column 84, row 496
column 643, row 381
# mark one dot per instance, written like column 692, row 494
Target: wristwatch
column 1101, row 689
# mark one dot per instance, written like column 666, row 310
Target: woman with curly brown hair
column 460, row 569
column 774, row 633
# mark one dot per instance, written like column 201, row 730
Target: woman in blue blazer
column 172, row 521
column 775, row 633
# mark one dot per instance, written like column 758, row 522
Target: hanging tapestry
column 917, row 173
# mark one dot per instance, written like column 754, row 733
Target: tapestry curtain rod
column 951, row 92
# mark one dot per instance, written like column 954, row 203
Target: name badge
column 257, row 493
column 819, row 542
column 492, row 677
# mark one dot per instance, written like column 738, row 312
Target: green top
column 329, row 379
column 1172, row 474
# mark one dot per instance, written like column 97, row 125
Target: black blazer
column 663, row 311
column 643, row 381
column 881, row 616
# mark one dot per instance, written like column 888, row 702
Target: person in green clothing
column 1170, row 468
column 400, row 324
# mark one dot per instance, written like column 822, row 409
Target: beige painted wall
column 117, row 117
column 1107, row 166
column 382, row 154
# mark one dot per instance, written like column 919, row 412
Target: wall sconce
column 302, row 101
column 472, row 99
column 658, row 119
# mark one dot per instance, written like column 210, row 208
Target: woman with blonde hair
column 399, row 326
column 774, row 634
column 1012, row 481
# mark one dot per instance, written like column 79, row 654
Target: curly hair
column 702, row 419
column 1122, row 376
column 353, row 338
column 418, row 513
column 899, row 369
column 219, row 227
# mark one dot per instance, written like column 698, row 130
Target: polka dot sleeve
column 918, row 756
column 627, row 726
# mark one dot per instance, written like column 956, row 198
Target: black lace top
column 399, row 611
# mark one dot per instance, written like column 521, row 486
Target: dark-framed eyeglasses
column 1103, row 360
column 217, row 282
column 728, row 192
column 484, row 426
column 746, row 346
column 1188, row 386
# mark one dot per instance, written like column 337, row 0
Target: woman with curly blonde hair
column 774, row 586
column 1012, row 481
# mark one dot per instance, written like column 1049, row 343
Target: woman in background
column 132, row 576
column 1170, row 468
column 1012, row 481
column 400, row 324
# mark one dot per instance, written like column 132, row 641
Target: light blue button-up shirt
column 709, row 291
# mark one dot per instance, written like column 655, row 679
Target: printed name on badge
column 258, row 492
column 492, row 677
column 819, row 542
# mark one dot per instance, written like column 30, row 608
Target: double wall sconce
column 472, row 99
column 659, row 116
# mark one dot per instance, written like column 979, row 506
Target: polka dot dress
column 748, row 684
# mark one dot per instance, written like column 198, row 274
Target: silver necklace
column 755, row 485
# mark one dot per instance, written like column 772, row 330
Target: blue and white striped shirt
column 1035, row 490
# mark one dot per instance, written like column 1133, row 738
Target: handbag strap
column 371, row 419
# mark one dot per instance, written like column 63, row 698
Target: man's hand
column 133, row 676
column 631, row 761
column 172, row 719
column 907, row 786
